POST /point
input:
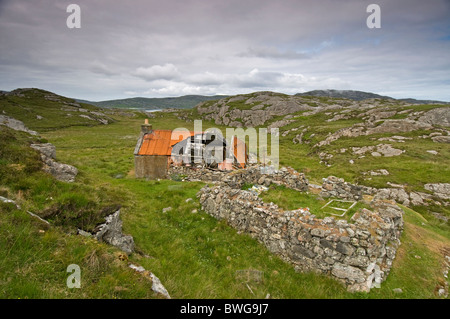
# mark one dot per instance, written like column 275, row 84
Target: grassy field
column 194, row 255
column 198, row 257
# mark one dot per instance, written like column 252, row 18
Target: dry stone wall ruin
column 439, row 193
column 261, row 175
column 360, row 254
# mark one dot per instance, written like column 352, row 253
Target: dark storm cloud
column 160, row 48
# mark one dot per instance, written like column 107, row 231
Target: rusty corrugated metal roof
column 160, row 142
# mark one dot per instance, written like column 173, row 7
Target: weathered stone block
column 345, row 249
column 350, row 273
column 318, row 232
column 303, row 251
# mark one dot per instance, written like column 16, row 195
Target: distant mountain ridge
column 361, row 95
column 345, row 94
column 182, row 102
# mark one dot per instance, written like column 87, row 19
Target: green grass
column 194, row 255
column 289, row 199
column 419, row 257
column 35, row 257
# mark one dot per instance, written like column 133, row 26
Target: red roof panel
column 160, row 142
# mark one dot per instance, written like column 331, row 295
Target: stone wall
column 336, row 187
column 333, row 186
column 360, row 253
column 260, row 175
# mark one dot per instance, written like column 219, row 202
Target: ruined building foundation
column 359, row 254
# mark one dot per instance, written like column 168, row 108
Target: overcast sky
column 172, row 48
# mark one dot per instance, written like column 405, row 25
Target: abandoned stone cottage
column 157, row 150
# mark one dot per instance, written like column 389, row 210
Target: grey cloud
column 167, row 71
column 273, row 53
column 206, row 47
column 100, row 68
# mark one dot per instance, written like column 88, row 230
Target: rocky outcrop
column 353, row 131
column 388, row 126
column 438, row 116
column 111, row 233
column 398, row 126
column 62, row 172
column 253, row 110
column 441, row 190
column 15, row 124
column 360, row 254
column 385, row 150
column 441, row 139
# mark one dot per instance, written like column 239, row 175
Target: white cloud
column 167, row 71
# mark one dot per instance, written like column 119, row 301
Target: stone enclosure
column 358, row 253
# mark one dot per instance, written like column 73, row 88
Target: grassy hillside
column 42, row 110
column 35, row 255
column 193, row 254
column 198, row 257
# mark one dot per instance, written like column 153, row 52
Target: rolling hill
column 360, row 95
column 182, row 102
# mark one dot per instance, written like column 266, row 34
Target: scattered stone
column 397, row 194
column 395, row 138
column 62, row 172
column 167, row 209
column 156, row 283
column 441, row 139
column 396, row 185
column 397, row 290
column 375, row 154
column 441, row 190
column 111, row 233
column 432, row 152
column 379, row 172
column 84, row 233
column 9, row 201
column 388, row 151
